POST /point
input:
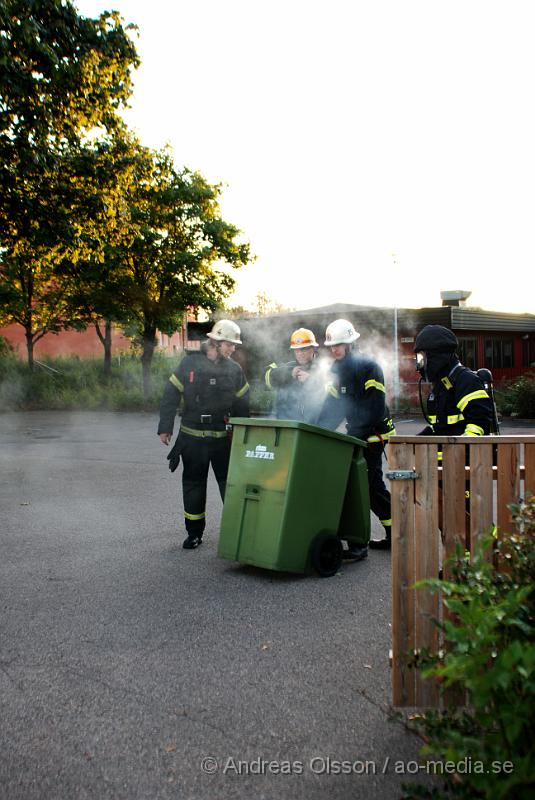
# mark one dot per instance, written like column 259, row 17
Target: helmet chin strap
column 212, row 350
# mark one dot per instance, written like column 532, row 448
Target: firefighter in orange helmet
column 298, row 384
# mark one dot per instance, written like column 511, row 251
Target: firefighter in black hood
column 211, row 387
column 357, row 393
column 458, row 404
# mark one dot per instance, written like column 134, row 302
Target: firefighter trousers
column 197, row 455
column 379, row 494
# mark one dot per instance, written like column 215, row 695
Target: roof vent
column 456, row 297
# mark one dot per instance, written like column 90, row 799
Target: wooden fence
column 435, row 505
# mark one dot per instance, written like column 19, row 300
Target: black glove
column 174, row 456
column 427, row 431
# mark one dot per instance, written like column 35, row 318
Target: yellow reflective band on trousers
column 432, row 419
column 195, row 516
column 243, row 390
column 386, row 523
column 203, row 434
column 453, row 418
column 481, row 394
column 176, row 383
column 371, row 384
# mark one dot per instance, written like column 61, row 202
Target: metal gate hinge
column 402, row 475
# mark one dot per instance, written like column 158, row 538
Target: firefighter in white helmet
column 297, row 383
column 357, row 393
column 211, row 387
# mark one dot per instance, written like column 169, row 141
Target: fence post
column 427, row 540
column 403, row 576
column 481, row 494
column 529, row 463
column 508, row 490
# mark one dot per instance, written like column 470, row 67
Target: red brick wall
column 85, row 344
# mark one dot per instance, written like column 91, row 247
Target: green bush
column 517, row 398
column 72, row 383
column 75, row 383
column 490, row 654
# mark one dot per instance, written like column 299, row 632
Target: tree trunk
column 149, row 345
column 106, row 343
column 29, row 347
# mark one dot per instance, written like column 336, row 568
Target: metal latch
column 402, row 475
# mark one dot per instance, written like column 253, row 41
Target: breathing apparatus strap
column 424, row 410
column 383, row 446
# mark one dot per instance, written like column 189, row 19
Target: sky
column 374, row 153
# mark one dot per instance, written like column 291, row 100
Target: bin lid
column 268, row 422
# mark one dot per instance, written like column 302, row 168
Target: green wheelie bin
column 293, row 491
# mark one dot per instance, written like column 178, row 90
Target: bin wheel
column 326, row 554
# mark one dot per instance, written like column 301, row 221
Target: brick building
column 500, row 341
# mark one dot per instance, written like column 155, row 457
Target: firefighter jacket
column 357, row 393
column 296, row 400
column 459, row 405
column 209, row 392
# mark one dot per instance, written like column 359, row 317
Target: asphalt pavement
column 130, row 668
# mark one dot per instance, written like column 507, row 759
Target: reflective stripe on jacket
column 301, row 401
column 357, row 393
column 459, row 405
column 208, row 391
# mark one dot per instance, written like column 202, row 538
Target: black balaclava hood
column 439, row 345
column 438, row 365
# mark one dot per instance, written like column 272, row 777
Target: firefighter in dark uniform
column 357, row 393
column 211, row 387
column 458, row 404
column 298, row 384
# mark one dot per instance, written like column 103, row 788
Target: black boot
column 381, row 544
column 355, row 553
column 193, row 541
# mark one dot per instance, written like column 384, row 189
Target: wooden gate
column 435, row 505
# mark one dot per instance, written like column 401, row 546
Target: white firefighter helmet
column 225, row 331
column 341, row 331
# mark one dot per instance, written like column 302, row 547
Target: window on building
column 498, row 353
column 468, row 351
column 528, row 352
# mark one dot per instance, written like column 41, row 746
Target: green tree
column 176, row 250
column 62, row 76
column 98, row 182
column 265, row 305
